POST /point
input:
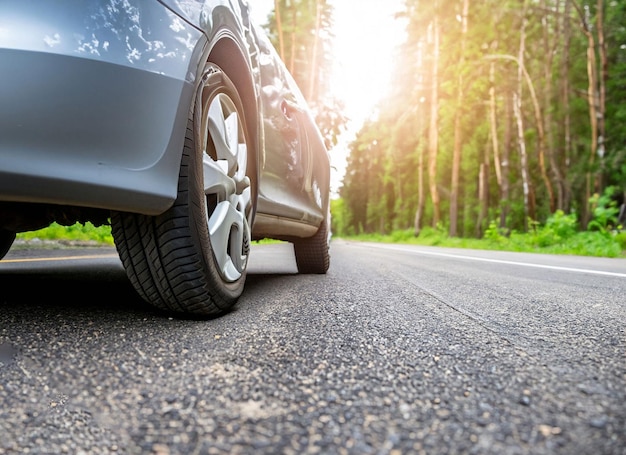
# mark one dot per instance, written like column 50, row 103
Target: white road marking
column 498, row 261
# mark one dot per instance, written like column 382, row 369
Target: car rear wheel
column 6, row 240
column 193, row 258
column 312, row 254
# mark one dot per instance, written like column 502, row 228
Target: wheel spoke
column 232, row 135
column 227, row 229
column 242, row 162
column 224, row 132
column 215, row 179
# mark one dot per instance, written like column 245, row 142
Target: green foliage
column 558, row 228
column 605, row 211
column 590, row 244
column 563, row 226
column 620, row 238
column 559, row 235
column 495, row 235
column 338, row 216
column 402, row 236
column 544, row 241
column 616, row 90
column 78, row 233
column 384, row 172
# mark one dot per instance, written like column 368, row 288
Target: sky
column 366, row 36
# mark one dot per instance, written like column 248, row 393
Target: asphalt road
column 397, row 350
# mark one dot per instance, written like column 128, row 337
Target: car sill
column 279, row 227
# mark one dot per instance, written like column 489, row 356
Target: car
column 175, row 122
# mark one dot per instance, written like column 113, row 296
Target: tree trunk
column 456, row 156
column 565, row 132
column 433, row 133
column 313, row 71
column 483, row 193
column 505, row 203
column 542, row 141
column 592, row 101
column 551, row 37
column 524, row 76
column 294, row 26
column 419, row 213
column 529, row 203
column 279, row 29
column 493, row 114
column 604, row 75
column 592, row 98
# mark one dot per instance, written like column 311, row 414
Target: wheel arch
column 227, row 54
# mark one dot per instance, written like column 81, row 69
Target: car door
column 291, row 184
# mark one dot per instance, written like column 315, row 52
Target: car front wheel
column 193, row 258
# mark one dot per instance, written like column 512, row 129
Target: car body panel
column 292, row 162
column 95, row 96
column 65, row 151
column 94, row 102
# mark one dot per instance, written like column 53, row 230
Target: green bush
column 605, row 211
column 494, row 233
column 402, row 236
column 562, row 225
column 558, row 228
column 594, row 244
column 78, row 232
column 620, row 238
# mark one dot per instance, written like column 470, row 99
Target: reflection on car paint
column 128, row 32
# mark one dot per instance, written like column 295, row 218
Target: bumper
column 93, row 103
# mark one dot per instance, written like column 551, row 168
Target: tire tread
column 312, row 254
column 159, row 257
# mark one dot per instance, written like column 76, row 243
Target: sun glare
column 366, row 36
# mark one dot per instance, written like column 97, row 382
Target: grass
column 559, row 237
column 600, row 244
column 79, row 234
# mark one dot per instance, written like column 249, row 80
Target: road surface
column 397, row 350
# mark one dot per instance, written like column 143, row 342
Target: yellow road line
column 61, row 258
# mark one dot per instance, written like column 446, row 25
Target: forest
column 501, row 114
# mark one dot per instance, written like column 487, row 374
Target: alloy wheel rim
column 226, row 186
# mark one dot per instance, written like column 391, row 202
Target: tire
column 312, row 254
column 193, row 258
column 6, row 241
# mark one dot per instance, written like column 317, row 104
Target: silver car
column 174, row 121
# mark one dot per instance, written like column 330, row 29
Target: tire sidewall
column 214, row 82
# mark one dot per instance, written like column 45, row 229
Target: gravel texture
column 389, row 353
